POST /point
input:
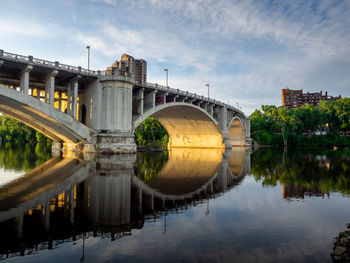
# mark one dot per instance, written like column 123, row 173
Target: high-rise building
column 137, row 68
column 296, row 98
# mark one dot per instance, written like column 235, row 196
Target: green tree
column 151, row 133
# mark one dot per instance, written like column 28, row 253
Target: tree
column 151, row 132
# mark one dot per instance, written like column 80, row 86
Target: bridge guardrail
column 46, row 63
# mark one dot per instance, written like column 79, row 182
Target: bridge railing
column 46, row 63
column 187, row 94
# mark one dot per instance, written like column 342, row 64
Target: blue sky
column 246, row 50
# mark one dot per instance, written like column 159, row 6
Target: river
column 185, row 205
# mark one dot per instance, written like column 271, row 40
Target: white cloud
column 17, row 26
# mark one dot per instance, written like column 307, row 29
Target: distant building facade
column 137, row 68
column 296, row 98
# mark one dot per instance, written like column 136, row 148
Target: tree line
column 15, row 131
column 283, row 126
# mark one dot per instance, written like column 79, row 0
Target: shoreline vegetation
column 309, row 126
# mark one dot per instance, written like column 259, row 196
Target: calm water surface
column 185, row 205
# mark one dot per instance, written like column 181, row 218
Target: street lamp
column 88, row 48
column 166, row 77
column 208, row 89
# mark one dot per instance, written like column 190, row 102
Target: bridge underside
column 54, row 124
column 236, row 133
column 189, row 127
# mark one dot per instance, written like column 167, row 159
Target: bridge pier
column 24, row 82
column 50, row 87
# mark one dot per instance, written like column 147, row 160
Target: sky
column 247, row 51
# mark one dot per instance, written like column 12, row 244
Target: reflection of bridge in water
column 64, row 198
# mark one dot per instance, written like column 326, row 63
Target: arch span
column 53, row 123
column 236, row 132
column 188, row 125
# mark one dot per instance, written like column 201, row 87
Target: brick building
column 137, row 68
column 296, row 98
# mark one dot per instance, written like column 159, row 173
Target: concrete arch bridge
column 98, row 111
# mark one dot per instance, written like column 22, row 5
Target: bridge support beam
column 24, row 83
column 72, row 98
column 50, row 87
column 150, row 100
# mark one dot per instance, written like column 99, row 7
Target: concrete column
column 223, row 118
column 60, row 101
column 247, row 128
column 210, row 109
column 71, row 205
column 38, row 93
column 24, row 85
column 75, row 99
column 150, row 100
column 69, row 99
column 50, row 87
column 20, row 226
column 1, row 63
column 140, row 97
column 72, row 98
column 139, row 190
column 56, row 148
column 47, row 216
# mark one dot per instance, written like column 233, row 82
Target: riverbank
column 341, row 249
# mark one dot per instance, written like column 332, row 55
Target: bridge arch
column 56, row 125
column 236, row 131
column 187, row 125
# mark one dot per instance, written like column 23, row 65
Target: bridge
column 98, row 111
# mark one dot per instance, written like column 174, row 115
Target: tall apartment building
column 296, row 98
column 137, row 68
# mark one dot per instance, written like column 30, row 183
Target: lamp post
column 166, row 77
column 208, row 89
column 88, row 48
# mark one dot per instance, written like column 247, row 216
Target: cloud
column 16, row 26
column 162, row 47
column 247, row 50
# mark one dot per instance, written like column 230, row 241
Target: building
column 137, row 68
column 296, row 98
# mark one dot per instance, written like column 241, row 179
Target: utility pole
column 88, row 48
column 208, row 89
column 166, row 77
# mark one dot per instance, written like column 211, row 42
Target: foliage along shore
column 15, row 131
column 272, row 126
